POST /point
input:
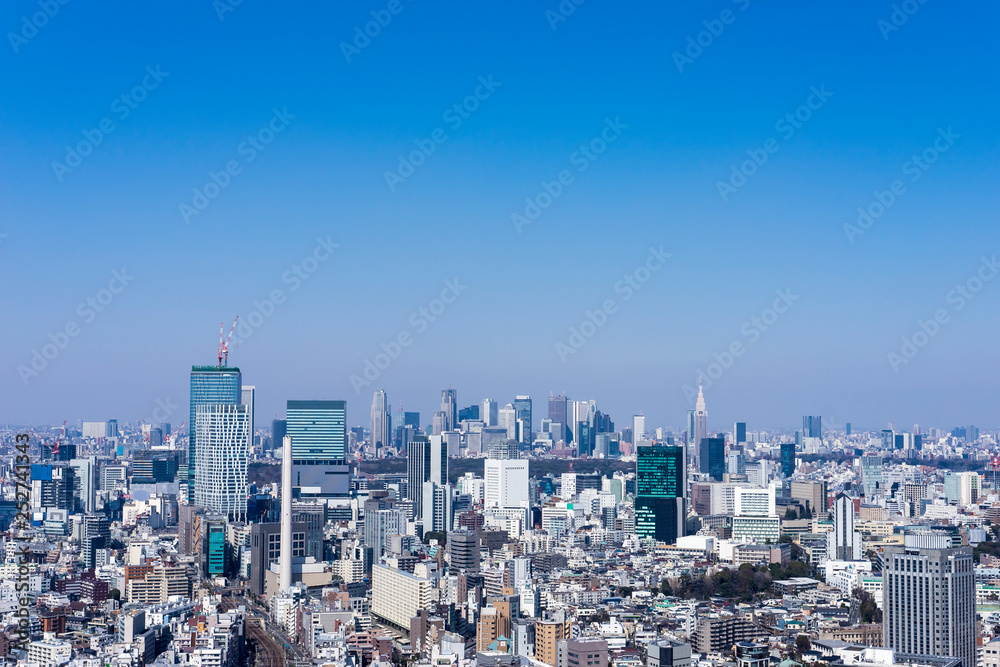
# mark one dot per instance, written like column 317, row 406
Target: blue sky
column 323, row 176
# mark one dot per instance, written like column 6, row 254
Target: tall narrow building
column 210, row 385
column 489, row 412
column 449, row 406
column 700, row 421
column 381, row 424
column 660, row 493
column 712, row 457
column 812, row 427
column 557, row 414
column 787, row 459
column 522, row 415
column 426, row 461
column 929, row 601
column 220, row 483
column 843, row 542
column 319, row 448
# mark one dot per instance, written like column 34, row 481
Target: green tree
column 115, row 594
column 802, row 644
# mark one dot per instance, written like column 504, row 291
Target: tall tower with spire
column 700, row 421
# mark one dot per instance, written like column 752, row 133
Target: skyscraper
column 712, row 457
column 638, row 428
column 489, row 413
column 700, row 421
column 507, row 418
column 812, row 427
column 426, row 461
column 279, row 428
column 788, row 459
column 843, row 542
column 220, row 483
column 319, row 448
column 930, row 599
column 871, row 475
column 209, row 385
column 522, row 413
column 449, row 406
column 381, row 423
column 557, row 413
column 739, row 432
column 506, row 483
column 248, row 397
column 660, row 492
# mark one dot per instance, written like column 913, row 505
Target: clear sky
column 640, row 136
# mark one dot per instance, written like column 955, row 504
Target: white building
column 506, row 483
column 49, row 652
column 220, row 483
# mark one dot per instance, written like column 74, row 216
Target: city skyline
column 689, row 269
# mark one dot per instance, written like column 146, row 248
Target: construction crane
column 55, row 446
column 224, row 346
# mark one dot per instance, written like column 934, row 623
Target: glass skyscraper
column 319, row 447
column 660, row 490
column 209, row 385
column 787, row 459
column 712, row 457
column 812, row 427
column 522, row 413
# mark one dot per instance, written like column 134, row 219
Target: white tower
column 285, row 580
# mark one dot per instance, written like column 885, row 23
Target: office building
column 712, row 457
column 426, row 461
column 506, row 483
column 788, row 459
column 558, row 415
column 279, row 429
column 660, row 493
column 437, row 508
column 223, row 452
column 463, row 551
column 871, row 476
column 507, row 419
column 756, row 520
column 812, row 427
column 843, row 542
column 248, row 397
column 381, row 424
column 668, row 653
column 490, row 412
column 319, row 448
column 638, row 428
column 929, row 600
column 210, row 385
column 380, row 524
column 739, row 432
column 449, row 406
column 522, row 415
column 582, row 652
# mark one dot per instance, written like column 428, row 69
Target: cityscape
column 558, row 334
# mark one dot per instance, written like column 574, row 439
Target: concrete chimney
column 285, row 580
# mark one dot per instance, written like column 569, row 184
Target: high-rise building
column 319, row 448
column 739, row 432
column 843, row 542
column 381, row 423
column 638, row 428
column 449, row 406
column 426, row 461
column 929, row 601
column 847, row 428
column 248, row 397
column 379, row 525
column 279, row 429
column 787, row 459
column 712, row 457
column 558, row 414
column 660, row 493
column 812, row 427
column 871, row 475
column 700, row 422
column 888, row 441
column 547, row 635
column 489, row 413
column 210, row 385
column 506, row 483
column 463, row 548
column 470, row 413
column 439, row 422
column 690, row 431
column 507, row 418
column 668, row 653
column 756, row 519
column 220, row 482
column 522, row 413
column 437, row 509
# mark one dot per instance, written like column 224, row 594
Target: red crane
column 224, row 346
column 55, row 445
